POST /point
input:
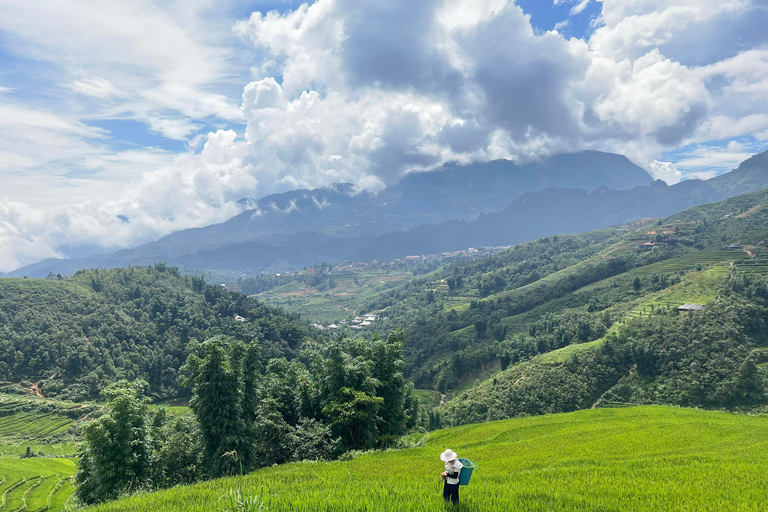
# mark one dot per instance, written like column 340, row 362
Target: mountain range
column 491, row 203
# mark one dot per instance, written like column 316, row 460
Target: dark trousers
column 451, row 492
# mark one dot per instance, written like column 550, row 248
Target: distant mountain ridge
column 559, row 210
column 273, row 233
column 493, row 203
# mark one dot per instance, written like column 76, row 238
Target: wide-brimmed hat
column 448, row 455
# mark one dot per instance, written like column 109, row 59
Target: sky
column 121, row 122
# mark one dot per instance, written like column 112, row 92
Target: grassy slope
column 36, row 483
column 643, row 458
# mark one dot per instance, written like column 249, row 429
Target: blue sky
column 167, row 112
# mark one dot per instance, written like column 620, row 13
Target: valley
column 377, row 362
column 339, row 256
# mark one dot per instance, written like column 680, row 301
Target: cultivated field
column 35, row 485
column 342, row 301
column 633, row 459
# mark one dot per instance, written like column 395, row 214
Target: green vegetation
column 39, row 427
column 464, row 323
column 631, row 459
column 323, row 295
column 76, row 336
column 349, row 396
column 35, row 485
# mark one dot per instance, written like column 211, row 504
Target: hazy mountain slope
column 271, row 252
column 537, row 214
column 450, row 192
column 560, row 210
column 346, row 219
column 751, row 175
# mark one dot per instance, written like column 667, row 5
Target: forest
column 248, row 412
column 74, row 336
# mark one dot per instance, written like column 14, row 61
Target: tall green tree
column 222, row 377
column 352, row 404
column 114, row 456
column 387, row 358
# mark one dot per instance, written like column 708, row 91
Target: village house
column 692, row 307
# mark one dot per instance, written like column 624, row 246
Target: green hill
column 74, row 336
column 631, row 459
column 462, row 319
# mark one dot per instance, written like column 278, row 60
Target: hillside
column 304, row 227
column 634, row 459
column 74, row 336
column 567, row 210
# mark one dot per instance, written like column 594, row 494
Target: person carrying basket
column 451, row 476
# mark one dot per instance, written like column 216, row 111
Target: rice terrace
column 383, row 256
column 629, row 459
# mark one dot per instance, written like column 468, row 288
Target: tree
column 387, row 357
column 223, row 400
column 352, row 405
column 114, row 456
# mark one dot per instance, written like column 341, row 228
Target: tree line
column 249, row 411
column 77, row 335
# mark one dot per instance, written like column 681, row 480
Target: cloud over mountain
column 360, row 92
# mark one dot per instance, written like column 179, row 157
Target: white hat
column 448, row 455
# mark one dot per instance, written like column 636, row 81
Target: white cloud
column 657, row 98
column 346, row 91
column 665, row 171
column 633, row 27
column 713, row 158
column 177, row 129
column 579, row 8
column 96, row 87
column 141, row 55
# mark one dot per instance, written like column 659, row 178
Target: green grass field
column 633, row 459
column 35, row 485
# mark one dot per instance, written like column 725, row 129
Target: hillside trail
column 36, row 389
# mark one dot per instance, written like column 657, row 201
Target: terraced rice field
column 697, row 288
column 35, row 485
column 689, row 261
column 46, row 432
column 757, row 265
column 603, row 460
column 33, row 426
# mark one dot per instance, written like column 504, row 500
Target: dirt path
column 36, row 390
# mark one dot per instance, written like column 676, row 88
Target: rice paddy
column 630, row 459
column 35, row 485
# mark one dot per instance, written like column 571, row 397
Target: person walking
column 451, row 476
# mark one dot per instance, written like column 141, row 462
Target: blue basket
column 466, row 471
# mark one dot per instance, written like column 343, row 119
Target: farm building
column 692, row 307
column 734, row 247
column 647, row 246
